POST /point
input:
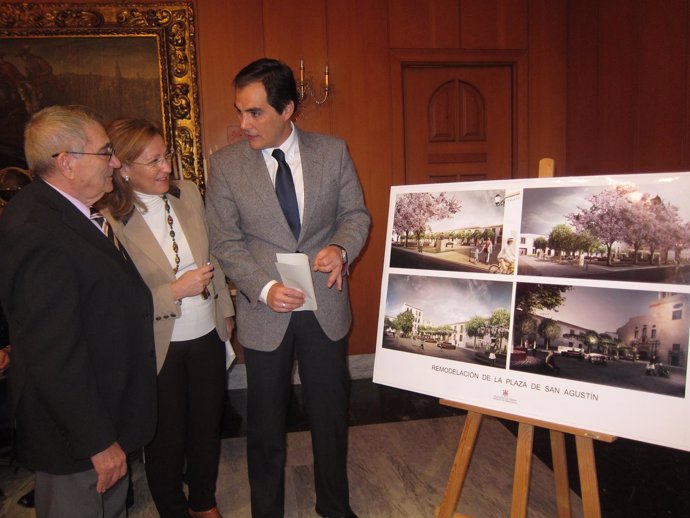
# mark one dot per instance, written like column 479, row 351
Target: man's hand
column 5, row 357
column 110, row 466
column 329, row 260
column 282, row 299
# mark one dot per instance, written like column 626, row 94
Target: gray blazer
column 247, row 228
column 154, row 267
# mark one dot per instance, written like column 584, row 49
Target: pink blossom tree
column 606, row 218
column 414, row 211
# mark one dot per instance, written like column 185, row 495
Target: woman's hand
column 230, row 325
column 193, row 282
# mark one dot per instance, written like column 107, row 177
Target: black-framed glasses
column 108, row 152
column 158, row 162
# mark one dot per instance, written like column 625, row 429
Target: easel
column 523, row 453
column 523, row 463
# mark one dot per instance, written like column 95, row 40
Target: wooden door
column 458, row 123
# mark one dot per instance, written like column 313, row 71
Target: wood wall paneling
column 547, row 84
column 581, row 123
column 298, row 29
column 617, row 80
column 410, row 24
column 358, row 52
column 627, row 86
column 662, row 72
column 493, row 24
column 230, row 35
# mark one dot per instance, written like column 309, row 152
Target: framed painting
column 121, row 60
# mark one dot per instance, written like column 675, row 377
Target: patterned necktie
column 285, row 191
column 107, row 230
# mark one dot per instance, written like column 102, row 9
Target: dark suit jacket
column 247, row 227
column 83, row 371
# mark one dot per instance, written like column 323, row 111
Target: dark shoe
column 211, row 513
column 28, row 500
column 348, row 515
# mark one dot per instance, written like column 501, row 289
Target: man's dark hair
column 277, row 79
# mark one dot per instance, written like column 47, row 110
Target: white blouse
column 196, row 313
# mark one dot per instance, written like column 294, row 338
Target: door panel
column 458, row 123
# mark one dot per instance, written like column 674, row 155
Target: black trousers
column 191, row 398
column 325, row 386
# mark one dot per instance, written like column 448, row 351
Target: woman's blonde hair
column 129, row 138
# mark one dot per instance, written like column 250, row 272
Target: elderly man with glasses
column 83, row 376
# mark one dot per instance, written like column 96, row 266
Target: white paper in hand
column 295, row 272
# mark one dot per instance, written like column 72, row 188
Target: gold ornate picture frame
column 122, row 60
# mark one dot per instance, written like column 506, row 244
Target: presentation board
column 560, row 299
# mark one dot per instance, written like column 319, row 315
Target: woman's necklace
column 172, row 233
column 204, row 294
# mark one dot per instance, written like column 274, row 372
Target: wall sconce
column 305, row 89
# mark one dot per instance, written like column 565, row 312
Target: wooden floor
column 396, row 469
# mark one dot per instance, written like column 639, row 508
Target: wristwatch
column 343, row 253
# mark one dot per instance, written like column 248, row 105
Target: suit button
column 173, row 315
column 158, row 318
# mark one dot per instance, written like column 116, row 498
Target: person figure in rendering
column 325, row 218
column 488, row 248
column 506, row 257
column 550, row 362
column 83, row 374
column 162, row 225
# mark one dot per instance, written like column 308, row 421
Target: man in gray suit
column 248, row 226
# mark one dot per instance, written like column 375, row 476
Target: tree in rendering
column 541, row 244
column 473, row 327
column 414, row 211
column 500, row 320
column 591, row 340
column 527, row 328
column 606, row 218
column 530, row 297
column 562, row 239
column 549, row 330
column 405, row 322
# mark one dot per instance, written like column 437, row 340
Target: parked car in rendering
column 596, row 358
column 571, row 352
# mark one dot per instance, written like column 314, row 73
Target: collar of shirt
column 292, row 156
column 80, row 206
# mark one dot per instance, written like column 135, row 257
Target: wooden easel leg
column 588, row 477
column 560, row 473
column 461, row 464
column 523, row 468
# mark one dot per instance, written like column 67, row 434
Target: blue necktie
column 285, row 191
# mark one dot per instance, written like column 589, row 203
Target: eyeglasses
column 107, row 152
column 157, row 162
